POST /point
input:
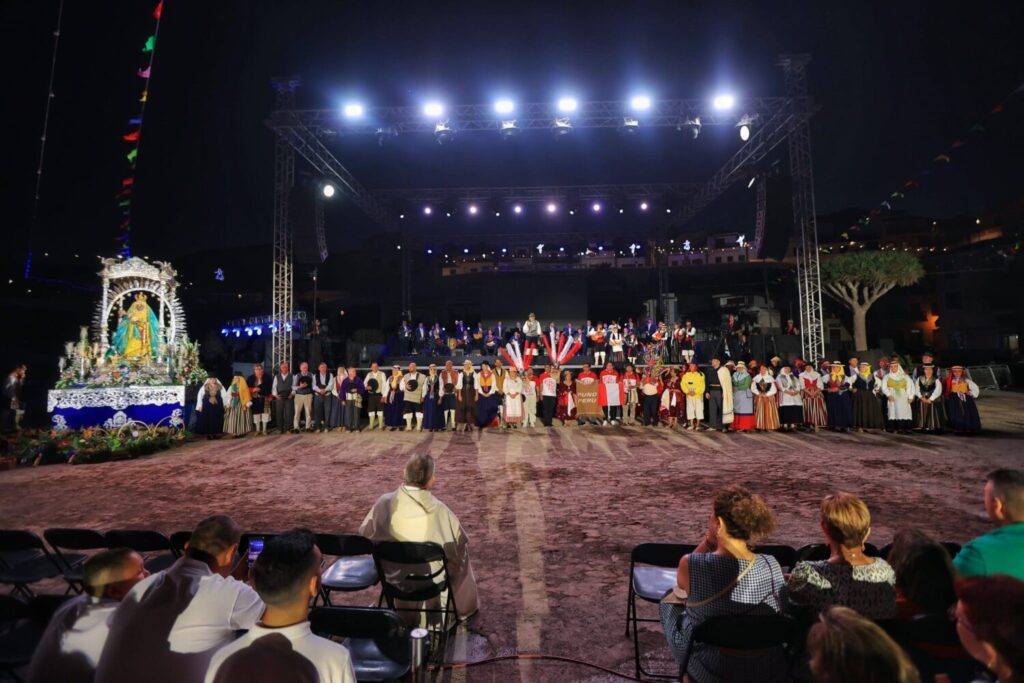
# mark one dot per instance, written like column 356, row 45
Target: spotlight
column 504, row 106
column 753, row 179
column 622, row 211
column 596, row 207
column 465, row 251
column 692, row 126
column 443, row 133
column 259, row 330
column 508, row 129
column 517, row 209
column 248, row 332
column 385, row 133
column 433, row 109
column 328, row 189
column 224, row 331
column 745, row 124
column 473, row 210
column 353, row 110
column 640, row 103
column 644, row 206
column 629, row 125
column 668, row 210
column 567, row 104
column 744, row 132
column 562, row 127
column 552, row 207
column 427, row 210
column 287, row 327
column 723, row 101
column 430, row 251
column 238, row 332
column 273, row 328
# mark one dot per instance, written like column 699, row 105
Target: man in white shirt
column 72, row 643
column 281, row 646
column 168, row 627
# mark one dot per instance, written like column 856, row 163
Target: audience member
column 990, row 622
column 848, row 578
column 171, row 623
column 1000, row 551
column 72, row 643
column 847, row 648
column 924, row 574
column 412, row 513
column 723, row 576
column 281, row 647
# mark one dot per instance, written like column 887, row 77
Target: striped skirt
column 767, row 412
column 814, row 411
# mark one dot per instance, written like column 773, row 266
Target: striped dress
column 814, row 403
column 766, row 407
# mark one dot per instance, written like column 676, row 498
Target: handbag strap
column 725, row 591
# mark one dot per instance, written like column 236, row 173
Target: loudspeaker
column 778, row 228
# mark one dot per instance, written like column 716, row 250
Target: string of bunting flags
column 134, row 138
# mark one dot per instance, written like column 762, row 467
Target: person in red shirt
column 630, row 389
column 547, row 386
column 611, row 394
column 650, row 394
column 586, row 375
column 566, row 409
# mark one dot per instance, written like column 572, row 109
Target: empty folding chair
column 785, row 555
column 741, row 635
column 25, row 560
column 652, row 574
column 155, row 548
column 354, row 568
column 63, row 540
column 377, row 639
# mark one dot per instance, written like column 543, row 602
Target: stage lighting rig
column 567, row 104
column 504, row 106
column 745, row 124
column 691, row 126
column 327, row 189
column 443, row 132
column 629, row 125
column 508, row 129
column 353, row 110
column 640, row 103
column 562, row 127
column 384, row 134
column 723, row 102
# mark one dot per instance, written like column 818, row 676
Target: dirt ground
column 552, row 514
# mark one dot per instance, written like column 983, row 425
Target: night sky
column 896, row 83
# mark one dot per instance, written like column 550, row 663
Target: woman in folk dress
column 513, row 391
column 236, row 407
column 766, row 408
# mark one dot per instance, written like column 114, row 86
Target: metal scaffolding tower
column 284, row 266
column 801, row 169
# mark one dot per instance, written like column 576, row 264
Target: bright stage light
column 328, row 190
column 752, row 181
column 596, row 207
column 692, row 126
column 567, row 104
column 465, row 251
column 552, row 207
column 504, row 106
column 508, row 129
column 517, row 209
column 744, row 132
column 622, row 211
column 259, row 330
column 443, row 132
column 433, row 109
column 238, row 332
column 629, row 125
column 668, row 210
column 640, row 103
column 430, row 251
column 473, row 209
column 427, row 210
column 225, row 331
column 562, row 126
column 353, row 110
column 248, row 332
column 644, row 206
column 723, row 101
column 504, row 250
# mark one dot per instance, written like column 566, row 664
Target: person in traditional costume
column 673, row 399
column 260, row 387
column 548, row 385
column 476, row 339
column 632, row 346
column 838, row 402
column 393, row 400
column 500, row 374
column 531, row 332
column 659, row 342
column 694, row 388
column 930, row 409
column 852, row 366
column 566, row 399
column 335, row 403
column 530, row 391
column 790, row 399
column 688, row 341
column 375, row 383
column 449, row 401
column 413, row 514
column 611, row 394
column 927, row 358
column 650, row 394
column 323, row 396
column 899, row 393
column 766, row 409
column 774, row 366
column 630, row 386
column 350, row 394
column 867, row 411
column 599, row 343
column 675, row 342
column 961, row 393
column 718, row 392
column 512, row 391
column 742, row 399
column 210, row 409
column 465, row 395
column 487, row 397
column 412, row 398
column 236, row 407
column 815, row 414
column 617, row 344
column 433, row 416
column 879, row 375
column 282, row 390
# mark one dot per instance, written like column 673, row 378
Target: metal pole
column 418, row 656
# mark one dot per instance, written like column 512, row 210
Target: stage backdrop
column 558, row 297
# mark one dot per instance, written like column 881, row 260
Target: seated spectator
column 72, row 643
column 924, row 574
column 847, row 648
column 848, row 578
column 1000, row 551
column 170, row 624
column 281, row 647
column 722, row 577
column 990, row 622
column 412, row 513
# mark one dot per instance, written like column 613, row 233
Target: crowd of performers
column 730, row 396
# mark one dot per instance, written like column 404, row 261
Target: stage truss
column 777, row 120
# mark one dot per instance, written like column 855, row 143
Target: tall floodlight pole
column 284, row 265
column 812, row 328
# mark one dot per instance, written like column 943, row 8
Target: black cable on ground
column 556, row 658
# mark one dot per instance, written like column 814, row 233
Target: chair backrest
column 419, row 582
column 344, row 545
column 934, row 629
column 786, row 555
column 178, row 540
column 357, row 622
column 141, row 540
column 747, row 632
column 18, row 540
column 74, row 539
column 660, row 554
column 815, row 552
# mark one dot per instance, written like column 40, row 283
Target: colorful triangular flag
column 942, row 157
column 131, row 137
column 150, row 44
column 143, row 73
column 132, row 154
column 158, row 10
column 145, row 95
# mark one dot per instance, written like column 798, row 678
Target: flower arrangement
column 94, row 444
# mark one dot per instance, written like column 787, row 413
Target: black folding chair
column 414, row 579
column 952, row 548
column 25, row 560
column 785, row 555
column 745, row 633
column 377, row 639
column 650, row 581
column 924, row 635
column 354, row 568
column 155, row 548
column 815, row 552
column 178, row 540
column 62, row 540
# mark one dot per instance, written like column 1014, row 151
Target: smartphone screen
column 255, row 548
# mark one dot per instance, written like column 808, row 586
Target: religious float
column 135, row 363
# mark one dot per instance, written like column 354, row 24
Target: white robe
column 412, row 514
column 899, row 389
column 513, row 405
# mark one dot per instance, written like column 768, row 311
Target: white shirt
column 72, row 643
column 331, row 660
column 171, row 623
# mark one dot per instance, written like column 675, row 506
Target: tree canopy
column 873, row 268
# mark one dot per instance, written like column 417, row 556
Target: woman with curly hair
column 723, row 576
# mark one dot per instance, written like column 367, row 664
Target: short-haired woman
column 849, row 577
column 847, row 648
column 723, row 576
